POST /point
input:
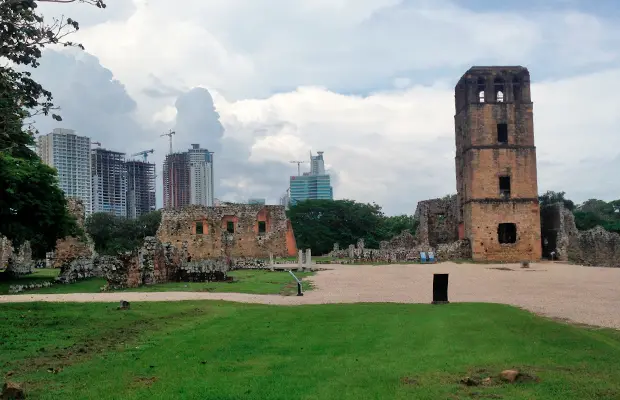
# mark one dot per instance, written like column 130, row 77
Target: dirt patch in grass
column 142, row 381
column 409, row 381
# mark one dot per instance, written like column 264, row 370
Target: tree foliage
column 551, row 197
column 32, row 206
column 113, row 234
column 24, row 33
column 318, row 224
column 589, row 214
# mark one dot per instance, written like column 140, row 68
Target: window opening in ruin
column 262, row 227
column 504, row 187
column 441, row 217
column 199, row 228
column 230, row 226
column 481, row 87
column 507, row 233
column 500, row 89
column 502, row 133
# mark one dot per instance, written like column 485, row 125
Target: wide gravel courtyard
column 586, row 295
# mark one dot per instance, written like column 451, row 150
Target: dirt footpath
column 581, row 294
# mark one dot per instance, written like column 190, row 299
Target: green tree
column 393, row 226
column 318, row 224
column 551, row 197
column 32, row 206
column 113, row 234
column 585, row 220
column 602, row 209
column 24, row 33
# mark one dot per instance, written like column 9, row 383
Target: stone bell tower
column 496, row 164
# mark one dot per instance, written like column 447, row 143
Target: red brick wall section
column 178, row 226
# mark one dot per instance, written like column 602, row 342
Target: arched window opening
column 500, row 89
column 516, row 89
column 481, row 87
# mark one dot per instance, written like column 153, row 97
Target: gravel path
column 586, row 295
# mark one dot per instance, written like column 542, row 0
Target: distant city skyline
column 104, row 180
column 315, row 184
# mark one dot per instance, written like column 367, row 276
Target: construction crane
column 169, row 134
column 298, row 165
column 97, row 143
column 144, row 154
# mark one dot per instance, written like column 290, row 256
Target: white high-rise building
column 201, row 176
column 70, row 155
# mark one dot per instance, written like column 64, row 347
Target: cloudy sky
column 369, row 82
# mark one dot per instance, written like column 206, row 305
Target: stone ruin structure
column 16, row 262
column 234, row 231
column 438, row 221
column 156, row 262
column 595, row 247
column 496, row 164
column 74, row 256
column 402, row 248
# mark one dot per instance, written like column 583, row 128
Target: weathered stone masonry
column 234, row 231
column 496, row 164
column 438, row 221
column 595, row 247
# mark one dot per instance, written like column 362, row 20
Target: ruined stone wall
column 69, row 249
column 458, row 250
column 438, row 221
column 403, row 241
column 20, row 262
column 557, row 230
column 595, row 247
column 157, row 262
column 6, row 249
column 76, row 209
column 185, row 226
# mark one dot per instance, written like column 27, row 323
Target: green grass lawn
column 218, row 350
column 245, row 281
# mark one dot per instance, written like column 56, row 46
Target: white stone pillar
column 270, row 258
column 308, row 258
column 300, row 260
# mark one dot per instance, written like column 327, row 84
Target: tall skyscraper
column 201, row 176
column 313, row 185
column 109, row 175
column 140, row 188
column 70, row 155
column 176, row 180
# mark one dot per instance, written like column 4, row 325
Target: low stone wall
column 595, row 247
column 77, row 270
column 204, row 271
column 402, row 248
column 157, row 262
column 249, row 263
column 459, row 250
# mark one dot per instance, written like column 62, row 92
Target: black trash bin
column 440, row 289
